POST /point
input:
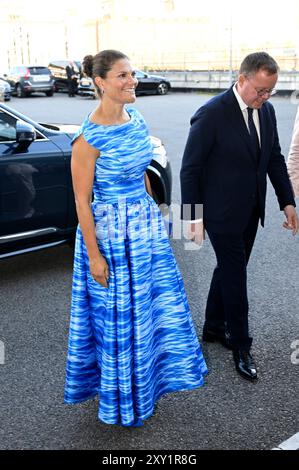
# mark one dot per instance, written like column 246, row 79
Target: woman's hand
column 99, row 270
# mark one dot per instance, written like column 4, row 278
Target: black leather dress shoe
column 210, row 336
column 245, row 364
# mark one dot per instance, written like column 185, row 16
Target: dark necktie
column 255, row 144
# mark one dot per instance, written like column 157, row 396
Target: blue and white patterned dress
column 133, row 342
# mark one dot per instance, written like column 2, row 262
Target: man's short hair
column 258, row 61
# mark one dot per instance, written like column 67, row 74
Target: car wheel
column 162, row 88
column 20, row 91
column 49, row 93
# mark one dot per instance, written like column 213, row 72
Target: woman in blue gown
column 131, row 336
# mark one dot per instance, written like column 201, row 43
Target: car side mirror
column 25, row 135
column 5, row 75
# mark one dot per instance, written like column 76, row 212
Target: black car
column 151, row 84
column 58, row 71
column 26, row 80
column 37, row 208
column 147, row 85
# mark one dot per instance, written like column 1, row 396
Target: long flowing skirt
column 135, row 341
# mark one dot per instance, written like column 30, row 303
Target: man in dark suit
column 72, row 78
column 232, row 146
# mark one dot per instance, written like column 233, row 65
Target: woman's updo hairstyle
column 87, row 65
column 100, row 64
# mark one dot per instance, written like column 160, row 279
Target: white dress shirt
column 243, row 107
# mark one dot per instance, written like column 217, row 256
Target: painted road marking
column 290, row 444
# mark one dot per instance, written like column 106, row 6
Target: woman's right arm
column 83, row 168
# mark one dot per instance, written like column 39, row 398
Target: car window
column 59, row 63
column 139, row 74
column 39, row 71
column 7, row 127
column 59, row 66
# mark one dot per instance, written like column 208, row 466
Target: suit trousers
column 71, row 82
column 227, row 303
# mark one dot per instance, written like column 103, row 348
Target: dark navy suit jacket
column 220, row 171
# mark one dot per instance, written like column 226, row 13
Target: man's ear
column 241, row 79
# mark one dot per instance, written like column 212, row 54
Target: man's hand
column 292, row 222
column 196, row 232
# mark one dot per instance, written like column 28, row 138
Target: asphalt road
column 228, row 412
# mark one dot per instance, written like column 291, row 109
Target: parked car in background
column 5, row 90
column 151, row 84
column 147, row 84
column 86, row 87
column 58, row 70
column 37, row 207
column 25, row 80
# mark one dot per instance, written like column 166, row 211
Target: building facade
column 156, row 35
